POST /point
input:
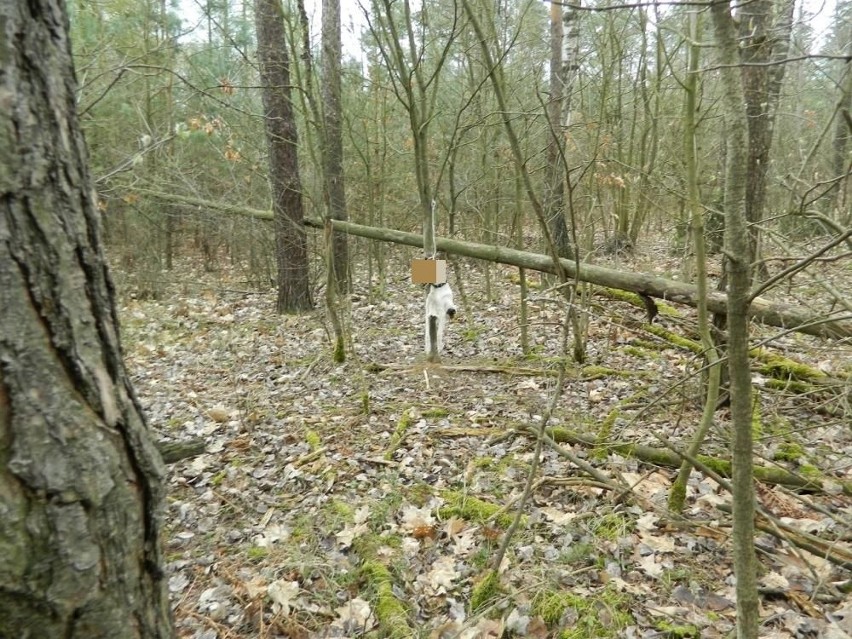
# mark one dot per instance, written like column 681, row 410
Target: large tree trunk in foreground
column 794, row 318
column 294, row 293
column 81, row 484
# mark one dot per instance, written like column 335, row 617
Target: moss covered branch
column 670, row 459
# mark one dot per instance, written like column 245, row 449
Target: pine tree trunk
column 81, row 483
column 283, row 140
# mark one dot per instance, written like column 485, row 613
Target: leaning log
column 772, row 313
column 793, row 318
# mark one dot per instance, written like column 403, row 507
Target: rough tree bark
column 843, row 132
column 765, row 36
column 737, row 252
column 282, row 137
column 333, row 137
column 81, row 483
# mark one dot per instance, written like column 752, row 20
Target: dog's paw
column 451, row 312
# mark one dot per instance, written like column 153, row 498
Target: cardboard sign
column 428, row 271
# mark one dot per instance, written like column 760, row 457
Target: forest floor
column 369, row 498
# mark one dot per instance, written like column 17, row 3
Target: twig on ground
column 311, row 456
column 582, row 465
column 768, row 523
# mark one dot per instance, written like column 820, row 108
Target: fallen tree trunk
column 172, row 452
column 670, row 459
column 772, row 313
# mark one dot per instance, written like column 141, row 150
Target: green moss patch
column 473, row 509
column 485, row 591
column 435, row 413
column 313, row 439
column 602, row 614
column 390, row 611
column 780, row 367
column 398, row 435
column 674, row 339
column 678, row 630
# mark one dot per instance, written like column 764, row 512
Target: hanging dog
column 439, row 306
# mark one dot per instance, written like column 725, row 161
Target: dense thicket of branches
column 174, row 101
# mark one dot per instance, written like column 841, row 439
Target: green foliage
column 482, row 557
column 483, row 462
column 471, row 333
column 384, row 510
column 256, row 553
column 674, row 339
column 578, row 552
column 720, row 466
column 635, row 300
column 419, row 494
column 789, row 385
column 677, row 497
column 405, row 421
column 339, row 354
column 636, row 351
column 781, row 367
column 673, row 576
column 341, row 509
column 756, row 422
column 809, row 471
column 550, row 606
column 648, row 344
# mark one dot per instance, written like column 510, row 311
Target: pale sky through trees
column 353, row 22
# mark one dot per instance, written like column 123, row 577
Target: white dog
column 439, row 304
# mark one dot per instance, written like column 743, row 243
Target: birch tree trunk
column 553, row 197
column 81, row 483
column 282, row 140
column 738, row 253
